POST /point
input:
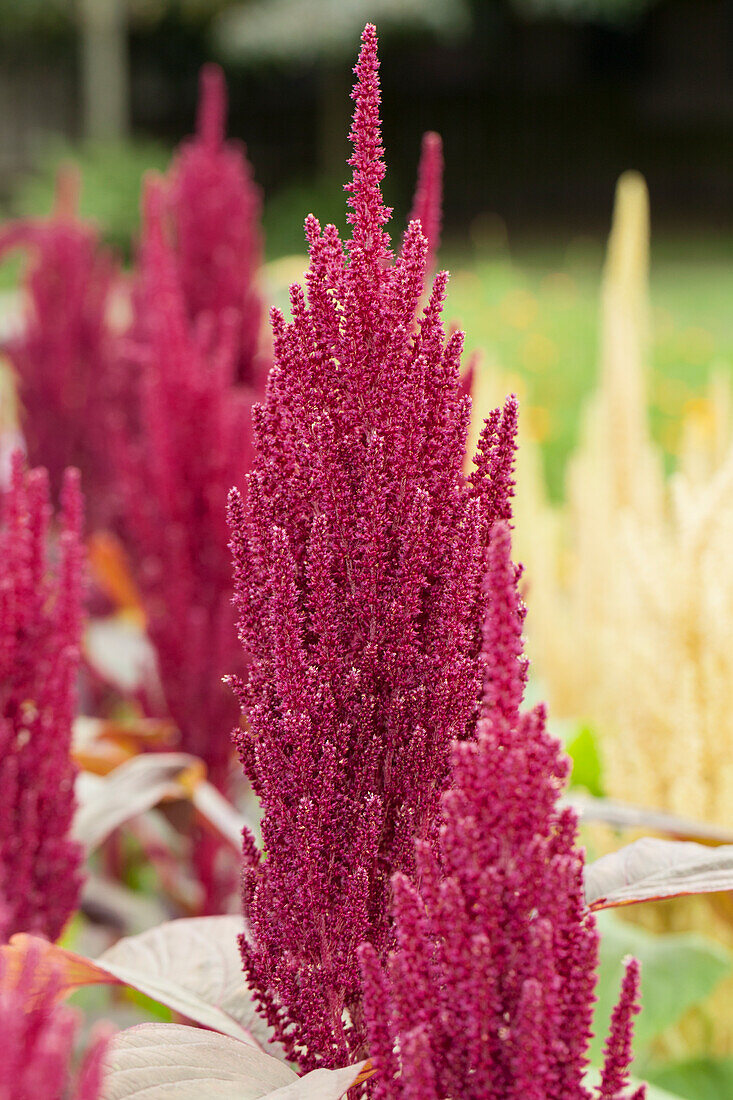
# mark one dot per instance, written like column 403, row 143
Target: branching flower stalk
column 359, row 552
column 40, row 628
column 489, row 994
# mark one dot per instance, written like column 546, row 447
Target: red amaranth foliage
column 489, row 994
column 37, row 1037
column 359, row 553
column 215, row 210
column 63, row 353
column 192, row 445
column 40, row 628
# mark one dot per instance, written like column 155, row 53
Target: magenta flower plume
column 37, row 1037
column 489, row 994
column 192, row 446
column 215, row 212
column 359, row 552
column 40, row 627
column 427, row 205
column 618, row 1052
column 63, row 352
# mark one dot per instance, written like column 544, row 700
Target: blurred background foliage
column 541, row 104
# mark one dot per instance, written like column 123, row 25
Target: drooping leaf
column 162, row 1061
column 191, row 965
column 170, row 1060
column 73, row 971
column 651, row 869
column 619, row 815
column 677, row 971
column 106, row 802
column 697, row 1079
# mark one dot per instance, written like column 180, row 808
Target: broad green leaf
column 677, row 971
column 697, row 1079
column 652, row 869
column 583, row 751
column 166, row 1061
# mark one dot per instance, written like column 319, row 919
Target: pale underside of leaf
column 154, row 1061
column 118, row 649
column 161, row 1061
column 106, row 802
column 652, row 869
column 193, row 966
column 620, row 815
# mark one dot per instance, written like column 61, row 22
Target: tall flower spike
column 427, row 205
column 37, row 1038
column 40, row 626
column 63, row 353
column 215, row 211
column 193, row 444
column 489, row 994
column 359, row 552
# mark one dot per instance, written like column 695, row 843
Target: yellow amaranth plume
column 631, row 587
column 631, row 581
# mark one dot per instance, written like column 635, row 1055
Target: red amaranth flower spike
column 618, row 1051
column 215, row 210
column 193, row 444
column 359, row 553
column 489, row 994
column 63, row 353
column 37, row 1037
column 427, row 205
column 40, row 627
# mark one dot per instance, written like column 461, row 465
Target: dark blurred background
column 541, row 103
